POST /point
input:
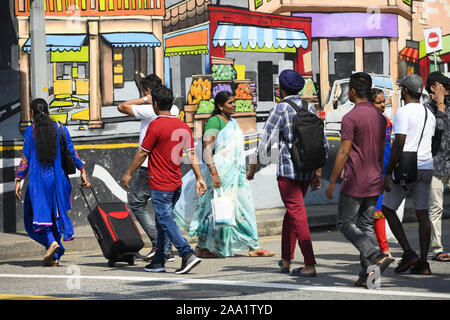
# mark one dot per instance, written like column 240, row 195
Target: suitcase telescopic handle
column 80, row 186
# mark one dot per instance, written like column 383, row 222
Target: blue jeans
column 164, row 203
column 137, row 199
column 355, row 221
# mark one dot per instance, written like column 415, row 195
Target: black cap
column 413, row 82
column 437, row 77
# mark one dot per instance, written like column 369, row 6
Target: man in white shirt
column 139, row 194
column 414, row 127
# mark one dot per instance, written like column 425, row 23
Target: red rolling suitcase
column 115, row 230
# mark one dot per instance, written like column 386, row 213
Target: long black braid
column 44, row 132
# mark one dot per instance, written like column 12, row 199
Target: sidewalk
column 269, row 221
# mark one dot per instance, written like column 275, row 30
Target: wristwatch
column 145, row 99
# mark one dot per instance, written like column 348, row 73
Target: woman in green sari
column 224, row 168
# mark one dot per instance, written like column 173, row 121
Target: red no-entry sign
column 433, row 39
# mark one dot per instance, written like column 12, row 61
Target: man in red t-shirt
column 164, row 142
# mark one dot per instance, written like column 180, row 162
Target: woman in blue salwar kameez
column 47, row 198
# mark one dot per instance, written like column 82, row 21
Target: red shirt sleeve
column 150, row 138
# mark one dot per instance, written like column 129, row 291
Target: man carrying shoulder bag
column 413, row 127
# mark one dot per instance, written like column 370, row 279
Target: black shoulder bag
column 67, row 162
column 406, row 169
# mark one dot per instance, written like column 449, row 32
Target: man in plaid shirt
column 292, row 183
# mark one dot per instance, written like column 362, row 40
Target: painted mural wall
column 98, row 50
column 430, row 14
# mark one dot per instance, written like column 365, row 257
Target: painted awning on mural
column 410, row 54
column 186, row 50
column 445, row 58
column 60, row 42
column 232, row 35
column 187, row 43
column 131, row 39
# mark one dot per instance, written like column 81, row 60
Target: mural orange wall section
column 192, row 39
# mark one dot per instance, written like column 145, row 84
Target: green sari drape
column 194, row 214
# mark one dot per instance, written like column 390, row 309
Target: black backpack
column 308, row 151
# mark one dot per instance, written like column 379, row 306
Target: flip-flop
column 283, row 269
column 298, row 272
column 261, row 253
column 441, row 257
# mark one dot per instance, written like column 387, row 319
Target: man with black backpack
column 361, row 158
column 302, row 150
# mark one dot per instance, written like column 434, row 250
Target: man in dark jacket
column 438, row 87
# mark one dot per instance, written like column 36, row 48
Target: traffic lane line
column 266, row 285
column 30, row 297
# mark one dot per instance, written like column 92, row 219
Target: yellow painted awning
column 186, row 50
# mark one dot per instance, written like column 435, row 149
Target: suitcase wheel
column 111, row 263
column 131, row 261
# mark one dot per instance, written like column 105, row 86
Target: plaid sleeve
column 270, row 132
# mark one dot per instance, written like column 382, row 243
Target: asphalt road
column 85, row 275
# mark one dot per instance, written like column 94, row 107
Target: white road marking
column 432, row 295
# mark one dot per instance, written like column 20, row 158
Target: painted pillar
column 95, row 105
column 359, row 54
column 393, row 58
column 158, row 52
column 323, row 67
column 25, row 92
column 303, row 61
column 38, row 54
column 107, row 89
column 393, row 68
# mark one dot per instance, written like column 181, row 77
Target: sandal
column 205, row 253
column 48, row 258
column 298, row 272
column 360, row 283
column 261, row 253
column 282, row 268
column 441, row 256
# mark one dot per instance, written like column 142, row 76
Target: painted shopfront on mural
column 428, row 15
column 97, row 54
column 253, row 53
column 354, row 36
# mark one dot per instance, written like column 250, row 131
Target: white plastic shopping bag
column 223, row 210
